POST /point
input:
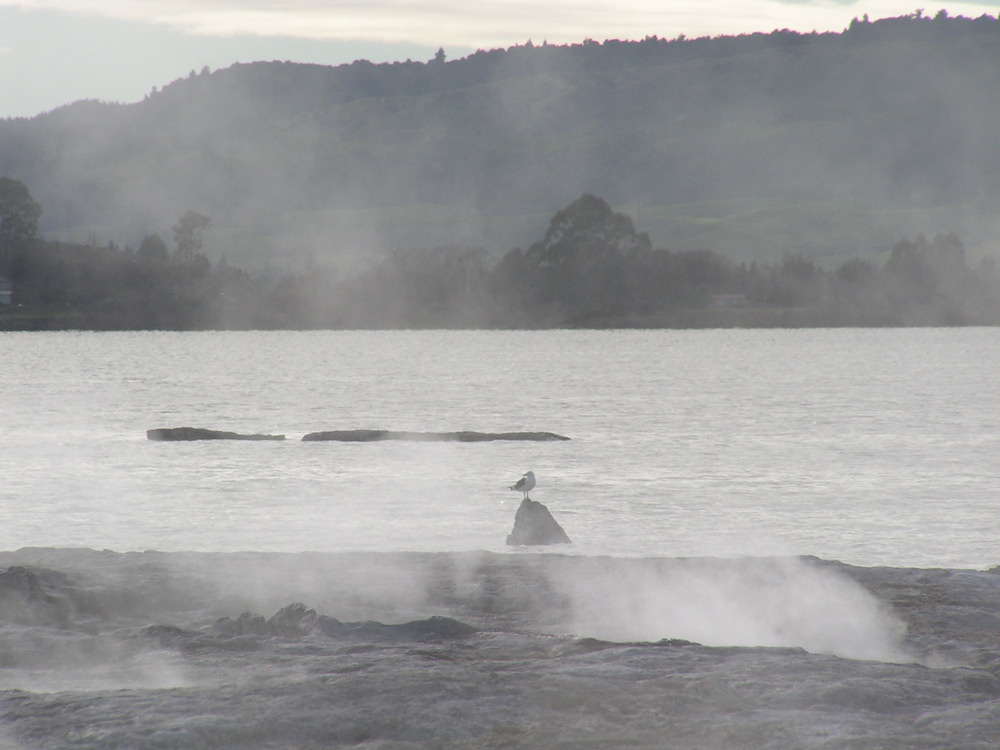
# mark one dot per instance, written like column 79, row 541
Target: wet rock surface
column 184, row 434
column 299, row 621
column 367, row 436
column 490, row 650
column 534, row 525
column 31, row 596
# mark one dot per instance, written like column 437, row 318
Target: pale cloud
column 489, row 23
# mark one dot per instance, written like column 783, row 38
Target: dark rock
column 477, row 437
column 195, row 641
column 294, row 621
column 432, row 629
column 166, row 634
column 298, row 621
column 200, row 433
column 246, row 624
column 30, row 596
column 352, row 436
column 367, row 436
column 533, row 524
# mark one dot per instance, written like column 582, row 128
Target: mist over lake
column 780, row 539
column 611, row 394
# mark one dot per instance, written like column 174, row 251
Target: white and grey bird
column 525, row 484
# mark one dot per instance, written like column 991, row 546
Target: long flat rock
column 200, row 433
column 368, row 436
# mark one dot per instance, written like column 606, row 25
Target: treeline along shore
column 827, row 145
column 591, row 269
column 773, row 179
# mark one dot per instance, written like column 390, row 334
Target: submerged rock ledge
column 200, row 433
column 350, row 436
column 367, row 436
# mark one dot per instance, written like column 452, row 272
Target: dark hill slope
column 756, row 146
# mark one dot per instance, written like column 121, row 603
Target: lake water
column 781, row 540
column 865, row 446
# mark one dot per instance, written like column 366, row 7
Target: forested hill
column 756, row 146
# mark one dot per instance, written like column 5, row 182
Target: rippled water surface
column 235, row 594
column 865, row 446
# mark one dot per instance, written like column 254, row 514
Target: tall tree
column 19, row 214
column 188, row 234
column 153, row 248
column 582, row 262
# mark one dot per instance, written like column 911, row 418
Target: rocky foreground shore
column 486, row 650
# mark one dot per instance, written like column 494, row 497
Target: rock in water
column 200, row 433
column 465, row 436
column 533, row 524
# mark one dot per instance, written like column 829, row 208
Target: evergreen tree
column 19, row 214
column 188, row 234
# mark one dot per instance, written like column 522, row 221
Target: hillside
column 758, row 146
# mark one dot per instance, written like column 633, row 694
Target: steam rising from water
column 769, row 602
column 773, row 602
column 100, row 621
column 47, row 660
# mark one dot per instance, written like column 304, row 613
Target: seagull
column 525, row 484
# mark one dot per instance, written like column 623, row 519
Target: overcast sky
column 54, row 52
